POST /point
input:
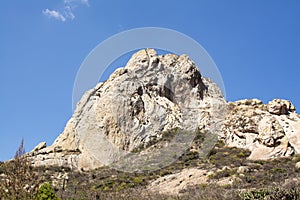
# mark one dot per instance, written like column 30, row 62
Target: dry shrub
column 18, row 178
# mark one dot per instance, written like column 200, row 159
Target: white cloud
column 67, row 12
column 54, row 14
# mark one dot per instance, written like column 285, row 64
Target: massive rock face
column 151, row 95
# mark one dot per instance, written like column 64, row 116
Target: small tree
column 46, row 192
column 18, row 179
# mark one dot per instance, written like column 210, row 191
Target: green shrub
column 46, row 192
column 272, row 194
column 296, row 158
column 222, row 174
column 256, row 194
column 283, row 193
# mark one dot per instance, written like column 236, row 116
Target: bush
column 256, row 194
column 18, row 179
column 285, row 193
column 46, row 192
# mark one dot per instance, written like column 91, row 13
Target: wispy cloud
column 54, row 14
column 86, row 2
column 67, row 12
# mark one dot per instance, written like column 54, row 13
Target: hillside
column 158, row 129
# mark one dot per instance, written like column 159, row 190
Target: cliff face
column 132, row 109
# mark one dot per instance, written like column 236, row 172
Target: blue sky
column 255, row 44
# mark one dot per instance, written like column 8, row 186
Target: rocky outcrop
column 175, row 183
column 152, row 95
column 133, row 108
column 267, row 130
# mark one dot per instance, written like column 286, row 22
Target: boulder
column 280, row 107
